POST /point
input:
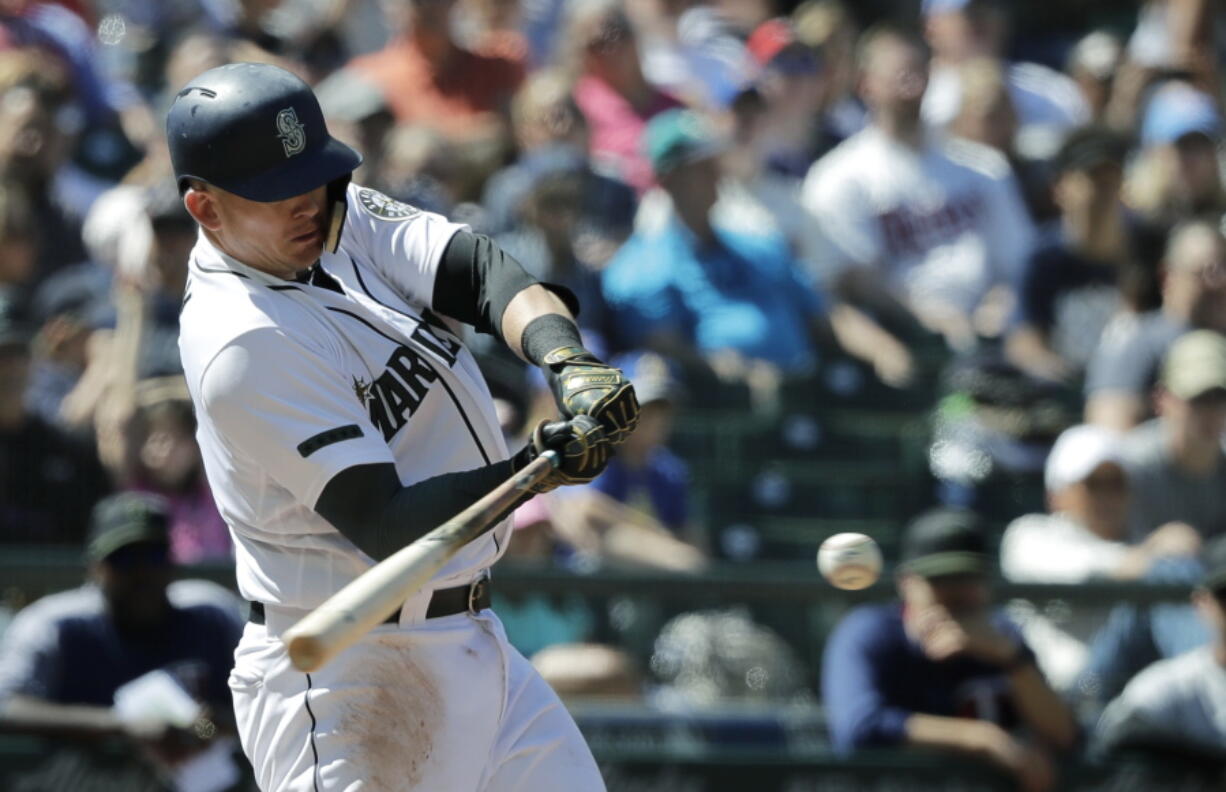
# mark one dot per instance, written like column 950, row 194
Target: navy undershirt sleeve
column 370, row 507
column 476, row 281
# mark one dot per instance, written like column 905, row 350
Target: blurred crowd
column 1012, row 228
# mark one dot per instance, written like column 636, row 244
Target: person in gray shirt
column 1179, row 704
column 1126, row 362
column 1175, row 462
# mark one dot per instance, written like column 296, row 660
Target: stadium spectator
column 111, row 115
column 639, row 515
column 828, row 26
column 1092, row 64
column 754, row 193
column 561, row 242
column 160, row 456
column 64, row 657
column 552, row 137
column 1047, row 102
column 734, row 302
column 49, row 478
column 939, row 669
column 1177, row 706
column 612, row 92
column 1124, row 367
column 427, row 78
column 1176, row 175
column 645, row 474
column 792, row 85
column 920, row 226
column 1176, row 462
column 1082, row 538
column 1069, row 288
column 36, row 140
column 987, row 116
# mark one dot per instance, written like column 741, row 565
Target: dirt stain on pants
column 392, row 720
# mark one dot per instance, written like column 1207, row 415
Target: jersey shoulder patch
column 383, row 207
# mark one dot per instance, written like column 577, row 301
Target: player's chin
column 305, row 250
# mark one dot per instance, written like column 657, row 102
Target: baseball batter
column 340, row 418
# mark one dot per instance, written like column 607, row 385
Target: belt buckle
column 474, row 593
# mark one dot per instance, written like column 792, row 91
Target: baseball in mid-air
column 850, row 561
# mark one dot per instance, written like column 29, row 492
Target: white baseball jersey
column 944, row 223
column 294, row 383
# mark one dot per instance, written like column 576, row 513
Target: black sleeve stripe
column 327, row 438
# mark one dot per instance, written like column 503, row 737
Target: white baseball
column 850, row 561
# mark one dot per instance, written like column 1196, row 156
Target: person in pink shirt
column 612, row 92
column 163, row 459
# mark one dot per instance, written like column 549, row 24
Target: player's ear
column 202, row 206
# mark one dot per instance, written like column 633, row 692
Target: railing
column 41, row 569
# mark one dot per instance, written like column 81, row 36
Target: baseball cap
column 1176, row 109
column 126, row 519
column 769, row 39
column 1085, row 148
column 774, row 43
column 1195, row 364
column 1078, row 452
column 677, row 137
column 945, row 541
column 1215, row 565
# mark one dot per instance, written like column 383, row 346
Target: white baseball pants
column 444, row 705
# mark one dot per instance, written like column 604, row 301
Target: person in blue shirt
column 63, row 657
column 724, row 302
column 646, row 474
column 939, row 669
column 696, row 292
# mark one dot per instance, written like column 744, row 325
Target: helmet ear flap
column 337, row 207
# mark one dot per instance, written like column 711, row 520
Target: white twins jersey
column 294, row 383
column 943, row 223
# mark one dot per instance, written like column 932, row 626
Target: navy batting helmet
column 255, row 130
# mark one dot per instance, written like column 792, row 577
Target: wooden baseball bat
column 376, row 594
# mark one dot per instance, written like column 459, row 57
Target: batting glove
column 583, row 385
column 581, row 444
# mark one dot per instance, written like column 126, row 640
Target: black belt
column 444, row 602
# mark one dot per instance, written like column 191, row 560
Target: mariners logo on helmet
column 383, row 207
column 291, row 131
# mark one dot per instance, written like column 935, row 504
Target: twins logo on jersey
column 393, row 396
column 911, row 230
column 383, row 207
column 291, row 131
